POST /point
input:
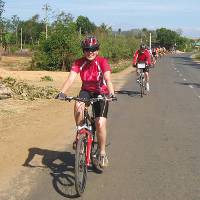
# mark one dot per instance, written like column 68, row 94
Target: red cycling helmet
column 90, row 43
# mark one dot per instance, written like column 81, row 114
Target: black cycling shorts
column 146, row 69
column 100, row 108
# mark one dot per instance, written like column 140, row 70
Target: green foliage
column 184, row 44
column 196, row 56
column 46, row 78
column 58, row 51
column 9, row 81
column 117, row 47
column 166, row 37
column 84, row 26
column 62, row 46
column 31, row 30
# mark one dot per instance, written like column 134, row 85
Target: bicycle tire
column 141, row 86
column 80, row 165
column 94, row 151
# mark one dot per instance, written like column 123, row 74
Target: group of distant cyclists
column 95, row 73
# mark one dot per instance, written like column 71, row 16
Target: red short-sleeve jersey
column 142, row 57
column 92, row 74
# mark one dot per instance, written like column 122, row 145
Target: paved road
column 155, row 143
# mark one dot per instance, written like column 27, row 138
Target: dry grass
column 15, row 63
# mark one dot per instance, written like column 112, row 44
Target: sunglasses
column 90, row 49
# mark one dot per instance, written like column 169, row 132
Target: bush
column 46, row 78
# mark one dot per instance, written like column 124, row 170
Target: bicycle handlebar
column 91, row 100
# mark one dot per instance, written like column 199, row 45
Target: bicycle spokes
column 80, row 165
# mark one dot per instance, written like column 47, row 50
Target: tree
column 32, row 29
column 166, row 37
column 60, row 48
column 63, row 18
column 2, row 4
column 15, row 23
column 84, row 26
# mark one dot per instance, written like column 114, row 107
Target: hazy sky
column 124, row 14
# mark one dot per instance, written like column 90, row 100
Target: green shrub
column 46, row 78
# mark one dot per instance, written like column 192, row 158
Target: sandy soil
column 42, row 125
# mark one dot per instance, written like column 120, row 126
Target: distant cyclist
column 143, row 56
column 95, row 73
column 154, row 55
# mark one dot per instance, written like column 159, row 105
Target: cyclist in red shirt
column 143, row 56
column 95, row 73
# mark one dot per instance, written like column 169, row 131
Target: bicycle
column 141, row 79
column 86, row 145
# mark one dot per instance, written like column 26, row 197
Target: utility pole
column 150, row 40
column 46, row 8
column 16, row 34
column 21, row 39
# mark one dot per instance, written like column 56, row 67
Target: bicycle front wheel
column 80, row 165
column 141, row 87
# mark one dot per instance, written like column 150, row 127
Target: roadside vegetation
column 53, row 46
column 24, row 91
column 196, row 56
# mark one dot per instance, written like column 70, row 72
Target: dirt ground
column 40, row 125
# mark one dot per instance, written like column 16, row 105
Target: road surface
column 154, row 141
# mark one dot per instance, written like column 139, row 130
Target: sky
column 124, row 14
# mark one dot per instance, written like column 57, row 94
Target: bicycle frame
column 140, row 67
column 86, row 129
column 83, row 130
column 141, row 81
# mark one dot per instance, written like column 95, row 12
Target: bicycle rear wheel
column 80, row 165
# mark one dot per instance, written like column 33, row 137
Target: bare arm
column 67, row 84
column 107, row 77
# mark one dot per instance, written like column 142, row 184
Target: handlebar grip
column 114, row 98
column 67, row 98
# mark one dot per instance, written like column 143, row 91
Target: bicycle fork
column 88, row 148
column 89, row 140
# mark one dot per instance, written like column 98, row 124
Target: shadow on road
column 196, row 85
column 127, row 92
column 61, row 165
